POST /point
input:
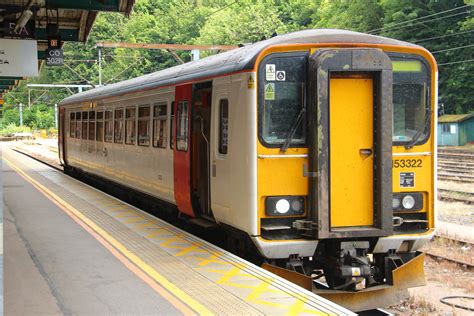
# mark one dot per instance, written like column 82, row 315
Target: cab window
column 281, row 97
column 410, row 99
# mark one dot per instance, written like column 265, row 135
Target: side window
column 91, row 125
column 182, row 126
column 171, row 126
column 84, row 125
column 159, row 125
column 144, row 125
column 130, row 127
column 109, row 127
column 223, row 126
column 118, row 126
column 99, row 135
column 72, row 124
column 78, row 124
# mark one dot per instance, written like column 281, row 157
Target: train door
column 62, row 135
column 182, row 148
column 200, row 155
column 350, row 108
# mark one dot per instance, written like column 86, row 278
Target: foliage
column 442, row 26
column 12, row 128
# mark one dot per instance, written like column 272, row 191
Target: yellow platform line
column 188, row 300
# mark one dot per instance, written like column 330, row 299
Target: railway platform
column 71, row 249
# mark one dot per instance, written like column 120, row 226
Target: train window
column 78, row 124
column 109, row 127
column 130, row 125
column 72, row 124
column 223, row 125
column 182, row 126
column 171, row 126
column 99, row 134
column 410, row 99
column 91, row 125
column 282, row 90
column 144, row 125
column 118, row 126
column 159, row 125
column 84, row 125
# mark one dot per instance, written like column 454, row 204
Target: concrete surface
column 53, row 266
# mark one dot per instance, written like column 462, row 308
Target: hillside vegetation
column 445, row 27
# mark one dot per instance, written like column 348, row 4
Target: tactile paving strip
column 222, row 282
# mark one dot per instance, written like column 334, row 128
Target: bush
column 11, row 129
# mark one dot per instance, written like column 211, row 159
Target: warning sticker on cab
column 270, row 91
column 250, row 81
column 270, row 71
column 407, row 179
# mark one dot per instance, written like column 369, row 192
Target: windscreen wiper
column 293, row 129
column 421, row 131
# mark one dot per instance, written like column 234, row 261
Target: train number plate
column 407, row 163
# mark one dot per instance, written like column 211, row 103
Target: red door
column 182, row 149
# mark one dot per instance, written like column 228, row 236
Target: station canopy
column 27, row 25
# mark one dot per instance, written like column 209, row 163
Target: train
column 316, row 150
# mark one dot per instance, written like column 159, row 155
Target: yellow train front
column 314, row 150
column 346, row 156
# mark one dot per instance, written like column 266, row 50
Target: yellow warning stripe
column 195, row 305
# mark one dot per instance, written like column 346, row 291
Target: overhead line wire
column 422, row 22
column 453, row 48
column 442, row 36
column 420, row 18
column 457, row 62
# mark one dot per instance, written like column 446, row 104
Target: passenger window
column 144, row 125
column 171, row 126
column 91, row 125
column 118, row 126
column 109, row 127
column 84, row 125
column 99, row 135
column 159, row 125
column 223, row 126
column 78, row 124
column 72, row 124
column 182, row 126
column 130, row 127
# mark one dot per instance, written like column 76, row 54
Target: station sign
column 9, row 25
column 54, row 57
column 18, row 58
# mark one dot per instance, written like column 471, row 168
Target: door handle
column 365, row 151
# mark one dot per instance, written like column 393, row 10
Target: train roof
column 236, row 60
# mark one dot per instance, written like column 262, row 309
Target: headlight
column 395, row 202
column 408, row 202
column 284, row 205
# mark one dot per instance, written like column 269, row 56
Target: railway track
column 456, row 166
column 455, row 196
column 464, row 263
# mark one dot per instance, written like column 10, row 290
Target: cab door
column 182, row 149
